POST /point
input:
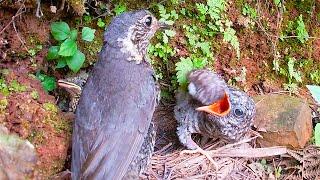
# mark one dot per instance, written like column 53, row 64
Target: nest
column 240, row 160
column 233, row 162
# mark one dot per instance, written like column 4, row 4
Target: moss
column 34, row 94
column 240, row 4
column 16, row 86
column 50, row 107
column 92, row 49
column 3, row 104
column 56, row 122
column 36, row 137
column 59, row 125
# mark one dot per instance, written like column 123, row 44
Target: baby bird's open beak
column 219, row 108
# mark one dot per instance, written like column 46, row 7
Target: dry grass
column 232, row 160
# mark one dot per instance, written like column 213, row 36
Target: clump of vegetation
column 66, row 52
column 13, row 86
column 120, row 8
column 48, row 82
column 292, row 74
column 301, row 31
column 247, row 10
column 315, row 92
column 296, row 28
column 214, row 21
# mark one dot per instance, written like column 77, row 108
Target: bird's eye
column 238, row 112
column 148, row 21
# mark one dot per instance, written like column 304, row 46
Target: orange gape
column 220, row 108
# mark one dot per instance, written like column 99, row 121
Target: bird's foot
column 201, row 151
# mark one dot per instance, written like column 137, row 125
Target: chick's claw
column 194, row 148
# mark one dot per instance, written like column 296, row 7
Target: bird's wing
column 113, row 115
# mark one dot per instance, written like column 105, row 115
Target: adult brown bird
column 74, row 85
column 118, row 100
column 213, row 109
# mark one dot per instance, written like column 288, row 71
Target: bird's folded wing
column 107, row 151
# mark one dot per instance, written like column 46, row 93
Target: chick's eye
column 148, row 21
column 238, row 112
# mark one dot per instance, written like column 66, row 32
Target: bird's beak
column 71, row 87
column 219, row 108
column 163, row 25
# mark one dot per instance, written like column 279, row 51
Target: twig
column 18, row 13
column 15, row 29
column 164, row 148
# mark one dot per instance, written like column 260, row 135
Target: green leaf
column 60, row 30
column 120, row 8
column 170, row 33
column 100, row 23
column 199, row 63
column 317, row 134
column 48, row 82
column 183, row 68
column 202, row 8
column 315, row 92
column 277, row 2
column 53, row 52
column 88, row 34
column 301, row 31
column 68, row 48
column 74, row 34
column 76, row 61
column 229, row 35
column 61, row 63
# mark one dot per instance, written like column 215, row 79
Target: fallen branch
column 251, row 152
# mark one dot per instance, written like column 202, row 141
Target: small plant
column 317, row 134
column 48, row 83
column 315, row 92
column 185, row 66
column 13, row 86
column 34, row 94
column 33, row 51
column 315, row 76
column 247, row 10
column 301, row 31
column 162, row 49
column 100, row 23
column 218, row 22
column 66, row 52
column 294, row 76
column 277, row 172
column 120, row 8
column 229, row 35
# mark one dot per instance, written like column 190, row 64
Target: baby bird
column 213, row 109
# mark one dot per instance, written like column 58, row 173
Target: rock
column 17, row 156
column 284, row 121
column 35, row 118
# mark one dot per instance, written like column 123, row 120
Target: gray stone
column 17, row 156
column 283, row 120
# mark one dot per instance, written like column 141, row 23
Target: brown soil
column 38, row 120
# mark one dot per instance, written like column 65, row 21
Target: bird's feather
column 112, row 117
